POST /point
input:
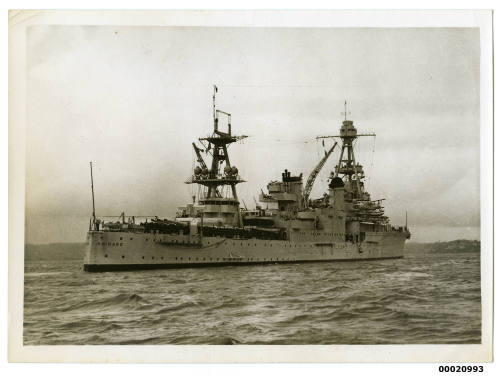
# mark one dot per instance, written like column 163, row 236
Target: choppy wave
column 423, row 298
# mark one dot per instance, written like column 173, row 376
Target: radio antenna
column 345, row 113
column 213, row 102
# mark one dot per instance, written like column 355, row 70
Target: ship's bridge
column 350, row 169
column 285, row 195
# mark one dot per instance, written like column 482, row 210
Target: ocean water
column 420, row 299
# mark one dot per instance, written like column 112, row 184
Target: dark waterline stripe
column 147, row 266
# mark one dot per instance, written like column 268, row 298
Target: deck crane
column 199, row 158
column 314, row 173
column 202, row 163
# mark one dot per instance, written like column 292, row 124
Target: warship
column 286, row 226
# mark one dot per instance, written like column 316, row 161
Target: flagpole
column 92, row 186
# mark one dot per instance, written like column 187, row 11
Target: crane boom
column 199, row 158
column 314, row 173
column 202, row 163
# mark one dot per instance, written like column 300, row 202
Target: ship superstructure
column 286, row 225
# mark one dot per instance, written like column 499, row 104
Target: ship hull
column 117, row 251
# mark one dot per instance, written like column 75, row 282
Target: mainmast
column 352, row 172
column 362, row 208
column 215, row 178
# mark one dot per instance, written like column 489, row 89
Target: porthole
column 175, row 258
column 121, row 238
column 143, row 257
column 131, row 238
column 189, row 258
column 152, row 257
column 105, row 255
column 123, row 256
column 161, row 258
column 182, row 258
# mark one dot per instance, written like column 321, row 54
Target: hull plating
column 108, row 251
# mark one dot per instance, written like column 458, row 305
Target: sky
column 132, row 99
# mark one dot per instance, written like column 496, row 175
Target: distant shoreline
column 70, row 251
column 456, row 246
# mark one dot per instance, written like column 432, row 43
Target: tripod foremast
column 214, row 179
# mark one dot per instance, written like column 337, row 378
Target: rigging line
column 371, row 165
column 274, row 139
column 276, row 142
